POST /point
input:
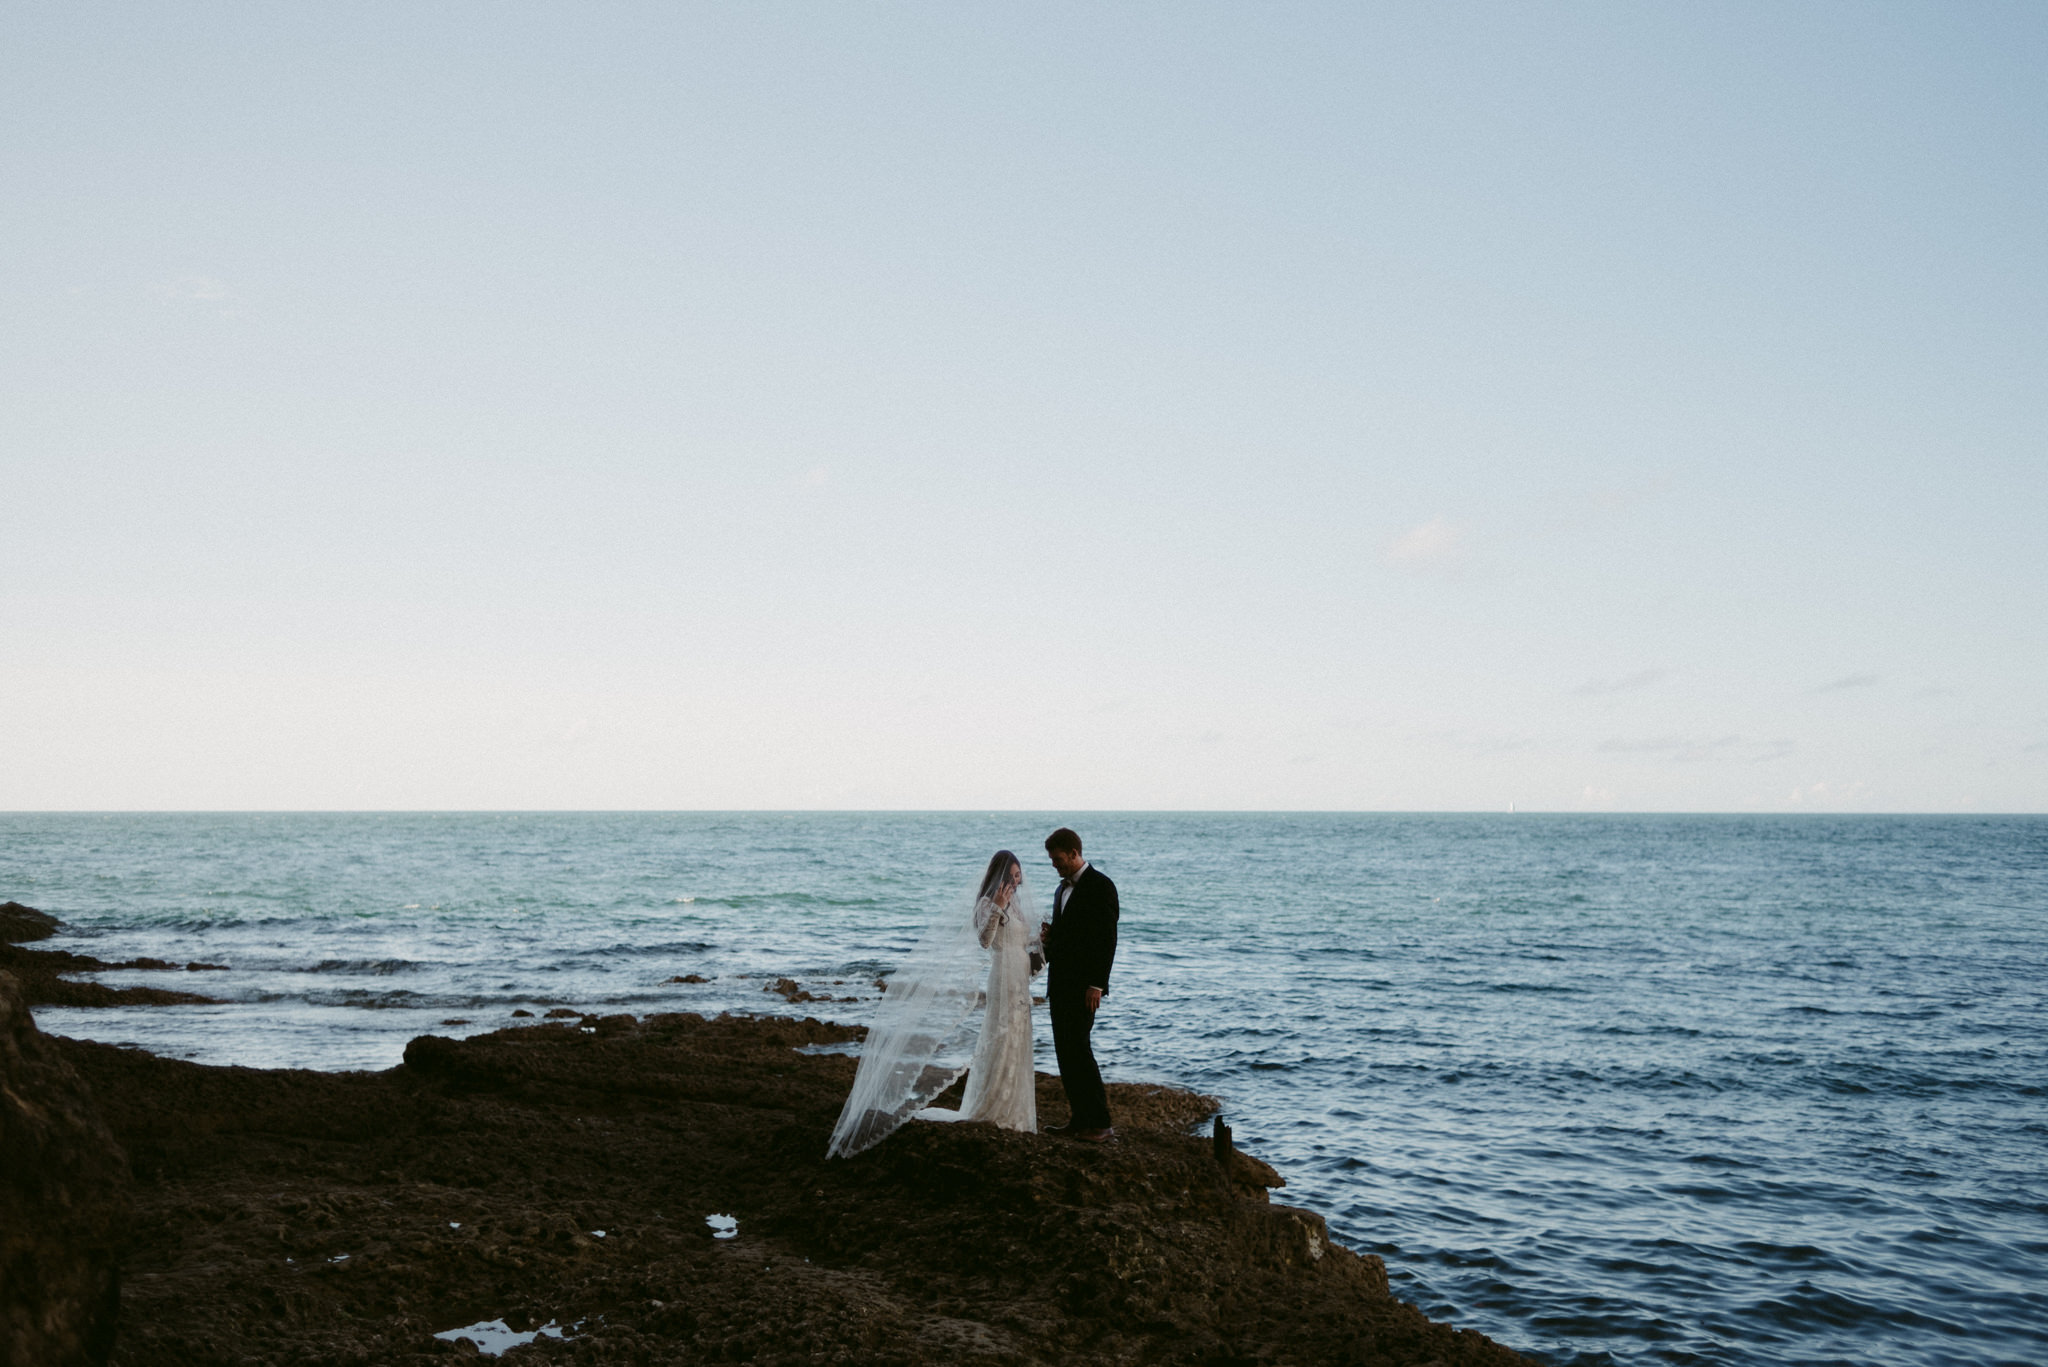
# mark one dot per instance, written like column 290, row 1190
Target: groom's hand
column 1094, row 999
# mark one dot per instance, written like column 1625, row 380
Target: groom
column 1080, row 944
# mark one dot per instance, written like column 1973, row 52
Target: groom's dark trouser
column 1071, row 1023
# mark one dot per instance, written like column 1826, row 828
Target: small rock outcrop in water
column 787, row 989
column 63, row 1203
column 20, row 924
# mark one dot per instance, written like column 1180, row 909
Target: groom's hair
column 1063, row 840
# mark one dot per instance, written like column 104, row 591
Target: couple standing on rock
column 927, row 1015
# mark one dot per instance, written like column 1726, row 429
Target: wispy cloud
column 1692, row 749
column 191, row 289
column 1671, row 747
column 1628, row 683
column 1434, row 545
column 1848, row 681
column 1825, row 795
column 1484, row 743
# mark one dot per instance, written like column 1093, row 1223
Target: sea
column 1612, row 1089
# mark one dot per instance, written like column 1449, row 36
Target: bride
column 1000, row 1086
column 925, row 1021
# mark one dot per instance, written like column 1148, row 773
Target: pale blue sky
column 1433, row 406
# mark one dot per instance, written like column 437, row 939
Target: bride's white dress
column 1001, row 1088
column 919, row 1042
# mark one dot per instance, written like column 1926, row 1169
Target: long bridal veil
column 923, row 1033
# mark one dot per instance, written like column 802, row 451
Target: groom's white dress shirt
column 1059, row 899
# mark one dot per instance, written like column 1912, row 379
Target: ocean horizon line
column 1013, row 811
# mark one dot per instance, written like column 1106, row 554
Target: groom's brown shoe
column 1101, row 1136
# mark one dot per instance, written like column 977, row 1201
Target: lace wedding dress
column 1001, row 1088
column 964, row 986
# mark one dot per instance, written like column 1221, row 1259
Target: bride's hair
column 998, row 869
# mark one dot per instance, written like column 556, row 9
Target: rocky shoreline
column 41, row 972
column 559, row 1180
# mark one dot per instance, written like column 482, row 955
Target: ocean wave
column 375, row 1001
column 380, row 967
column 1477, row 1257
column 198, row 925
column 1644, row 1031
column 629, row 949
column 1792, row 1255
column 1810, row 1307
column 402, row 999
column 778, row 900
column 1878, row 1080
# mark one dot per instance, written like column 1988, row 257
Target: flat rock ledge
column 559, row 1177
column 41, row 973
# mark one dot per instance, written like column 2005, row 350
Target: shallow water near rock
column 494, row 1337
column 1613, row 1089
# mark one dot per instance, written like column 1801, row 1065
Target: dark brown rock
column 20, row 924
column 787, row 989
column 64, row 1193
column 1250, row 1176
column 40, row 972
column 323, row 1219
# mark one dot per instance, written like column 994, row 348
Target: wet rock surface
column 318, row 1218
column 63, row 1203
column 789, row 991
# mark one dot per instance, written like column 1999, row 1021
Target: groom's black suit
column 1080, row 946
